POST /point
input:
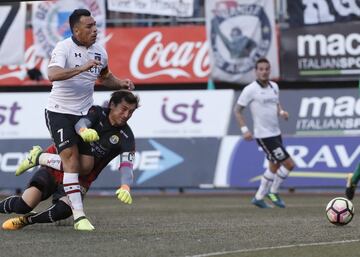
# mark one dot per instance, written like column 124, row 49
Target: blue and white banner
column 184, row 8
column 165, row 162
column 319, row 161
column 50, row 21
column 12, row 33
column 239, row 33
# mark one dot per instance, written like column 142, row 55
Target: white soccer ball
column 340, row 211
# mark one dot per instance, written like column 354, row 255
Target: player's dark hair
column 261, row 60
column 74, row 18
column 127, row 96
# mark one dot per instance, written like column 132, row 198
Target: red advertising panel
column 158, row 55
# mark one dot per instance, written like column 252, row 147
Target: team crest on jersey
column 235, row 41
column 114, row 139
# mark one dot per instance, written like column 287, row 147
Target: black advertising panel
column 312, row 12
column 321, row 53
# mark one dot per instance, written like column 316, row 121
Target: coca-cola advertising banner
column 161, row 55
column 318, row 52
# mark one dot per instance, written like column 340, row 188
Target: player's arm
column 56, row 67
column 83, row 126
column 108, row 79
column 126, row 172
column 56, row 73
column 282, row 113
column 238, row 111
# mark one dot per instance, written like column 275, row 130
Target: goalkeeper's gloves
column 88, row 135
column 123, row 194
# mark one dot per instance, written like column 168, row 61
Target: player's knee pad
column 20, row 206
column 61, row 211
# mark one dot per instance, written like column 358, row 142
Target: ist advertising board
column 187, row 113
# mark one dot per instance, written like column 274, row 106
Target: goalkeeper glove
column 123, row 194
column 88, row 135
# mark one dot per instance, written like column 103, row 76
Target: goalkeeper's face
column 121, row 113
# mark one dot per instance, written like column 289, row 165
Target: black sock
column 58, row 211
column 14, row 204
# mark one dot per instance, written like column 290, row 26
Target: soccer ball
column 340, row 211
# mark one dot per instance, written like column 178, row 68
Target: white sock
column 50, row 160
column 281, row 175
column 265, row 184
column 72, row 190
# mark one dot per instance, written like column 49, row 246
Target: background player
column 262, row 96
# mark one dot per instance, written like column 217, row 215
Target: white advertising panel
column 171, row 114
column 22, row 115
column 192, row 113
column 184, row 8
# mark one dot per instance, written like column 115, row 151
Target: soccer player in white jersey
column 262, row 96
column 76, row 63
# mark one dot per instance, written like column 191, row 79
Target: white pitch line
column 273, row 247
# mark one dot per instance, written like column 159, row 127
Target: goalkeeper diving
column 105, row 134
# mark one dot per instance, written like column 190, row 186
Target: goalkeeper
column 351, row 183
column 115, row 138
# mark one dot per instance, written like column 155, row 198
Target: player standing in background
column 115, row 138
column 351, row 183
column 75, row 65
column 262, row 96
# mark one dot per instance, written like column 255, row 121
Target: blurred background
column 189, row 60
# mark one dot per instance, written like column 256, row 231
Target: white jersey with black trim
column 75, row 95
column 263, row 103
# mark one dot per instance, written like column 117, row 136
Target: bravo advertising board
column 319, row 161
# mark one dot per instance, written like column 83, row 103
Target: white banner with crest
column 12, row 33
column 239, row 33
column 50, row 21
column 181, row 8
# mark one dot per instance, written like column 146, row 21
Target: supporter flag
column 50, row 20
column 239, row 33
column 12, row 33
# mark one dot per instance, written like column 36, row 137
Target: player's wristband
column 244, row 129
column 282, row 112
